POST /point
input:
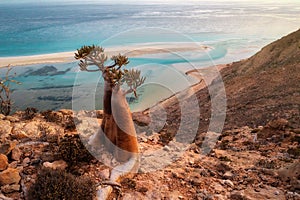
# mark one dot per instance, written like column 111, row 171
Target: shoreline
column 130, row 51
column 209, row 72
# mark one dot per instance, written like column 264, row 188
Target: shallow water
column 233, row 31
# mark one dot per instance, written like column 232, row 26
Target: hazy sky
column 151, row 1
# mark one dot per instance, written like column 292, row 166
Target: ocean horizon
column 233, row 31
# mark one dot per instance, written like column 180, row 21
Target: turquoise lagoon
column 232, row 31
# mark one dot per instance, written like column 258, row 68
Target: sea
column 231, row 31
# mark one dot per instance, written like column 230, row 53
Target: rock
column 219, row 197
column 195, row 179
column 166, row 148
column 99, row 114
column 267, row 192
column 16, row 154
column 295, row 184
column 2, row 197
column 7, row 147
column 237, row 195
column 12, row 119
column 228, row 175
column 104, row 174
column 9, row 176
column 3, row 162
column 2, row 116
column 60, row 164
column 18, row 131
column 218, row 188
column 10, row 188
column 48, row 157
column 270, row 172
column 32, row 129
column 290, row 172
column 180, row 174
column 26, row 162
column 228, row 183
column 255, row 130
column 66, row 112
column 141, row 119
column 155, row 137
column 292, row 195
column 5, row 129
column 278, row 124
column 296, row 130
column 13, row 164
column 19, row 134
column 134, row 195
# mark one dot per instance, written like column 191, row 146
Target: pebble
column 228, row 175
column 16, row 154
column 196, row 181
column 166, row 148
column 26, row 162
column 257, row 190
column 2, row 116
column 191, row 162
column 229, row 183
column 60, row 164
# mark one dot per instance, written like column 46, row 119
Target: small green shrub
column 294, row 152
column 69, row 123
column 73, row 151
column 66, row 121
column 54, row 184
column 30, row 113
column 52, row 116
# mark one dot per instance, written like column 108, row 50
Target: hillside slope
column 265, row 86
column 259, row 89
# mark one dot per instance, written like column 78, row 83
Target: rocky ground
column 246, row 163
column 255, row 157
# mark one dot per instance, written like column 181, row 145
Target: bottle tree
column 117, row 129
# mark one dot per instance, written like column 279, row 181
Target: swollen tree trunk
column 126, row 138
column 119, row 135
column 108, row 137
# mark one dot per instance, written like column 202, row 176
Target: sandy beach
column 130, row 51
